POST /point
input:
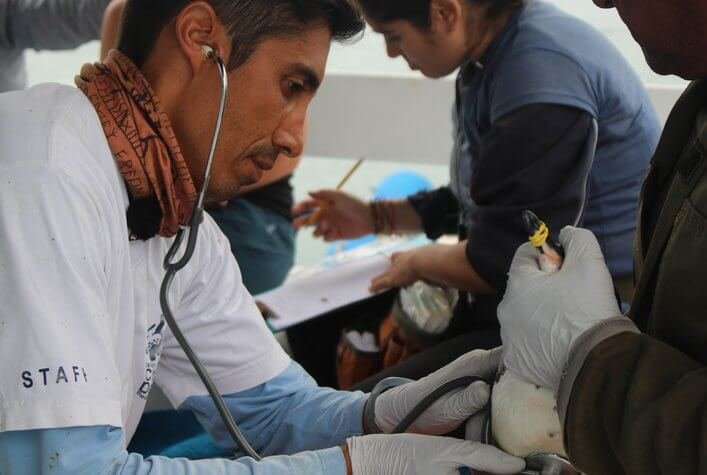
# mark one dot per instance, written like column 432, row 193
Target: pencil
column 314, row 217
column 351, row 172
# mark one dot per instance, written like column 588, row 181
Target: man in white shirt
column 94, row 183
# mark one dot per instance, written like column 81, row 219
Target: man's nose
column 392, row 49
column 290, row 139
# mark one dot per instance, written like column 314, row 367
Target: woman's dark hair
column 417, row 12
column 249, row 22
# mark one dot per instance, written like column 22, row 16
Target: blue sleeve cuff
column 332, row 461
column 355, row 416
column 286, row 415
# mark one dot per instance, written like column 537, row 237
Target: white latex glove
column 411, row 454
column 542, row 314
column 451, row 410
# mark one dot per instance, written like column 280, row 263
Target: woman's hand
column 401, row 273
column 438, row 264
column 335, row 215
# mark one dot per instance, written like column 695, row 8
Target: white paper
column 304, row 298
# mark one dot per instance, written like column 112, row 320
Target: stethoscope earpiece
column 208, row 51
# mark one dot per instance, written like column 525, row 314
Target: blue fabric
column 178, row 434
column 173, row 434
column 286, row 415
column 545, row 56
column 262, row 240
column 289, row 414
column 198, row 447
column 99, row 450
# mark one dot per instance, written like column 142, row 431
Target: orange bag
column 354, row 362
column 396, row 347
column 400, row 335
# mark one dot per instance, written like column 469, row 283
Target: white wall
column 399, row 118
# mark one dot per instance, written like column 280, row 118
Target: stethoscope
column 537, row 464
column 173, row 265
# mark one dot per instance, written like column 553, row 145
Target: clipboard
column 331, row 287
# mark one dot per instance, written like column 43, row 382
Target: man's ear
column 445, row 15
column 197, row 26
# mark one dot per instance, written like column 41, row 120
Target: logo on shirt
column 153, row 350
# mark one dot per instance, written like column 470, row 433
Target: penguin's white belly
column 524, row 418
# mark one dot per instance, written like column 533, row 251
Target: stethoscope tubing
column 173, row 266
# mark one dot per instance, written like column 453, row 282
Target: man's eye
column 295, row 87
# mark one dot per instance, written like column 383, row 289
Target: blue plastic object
column 395, row 186
column 400, row 185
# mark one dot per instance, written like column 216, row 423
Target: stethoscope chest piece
column 548, row 464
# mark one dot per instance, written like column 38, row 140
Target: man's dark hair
column 249, row 22
column 417, row 12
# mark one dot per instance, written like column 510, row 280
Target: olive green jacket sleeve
column 632, row 404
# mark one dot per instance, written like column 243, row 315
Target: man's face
column 670, row 32
column 423, row 50
column 265, row 113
